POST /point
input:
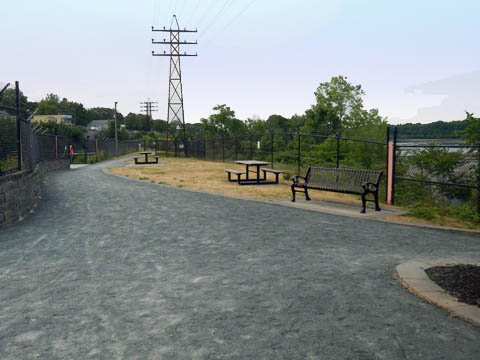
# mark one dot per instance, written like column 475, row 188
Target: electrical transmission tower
column 176, row 114
column 149, row 107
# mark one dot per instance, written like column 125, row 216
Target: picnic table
column 146, row 153
column 258, row 180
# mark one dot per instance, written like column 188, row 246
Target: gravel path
column 113, row 268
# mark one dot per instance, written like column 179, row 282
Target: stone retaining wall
column 20, row 192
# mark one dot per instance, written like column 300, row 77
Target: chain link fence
column 292, row 152
column 442, row 173
column 22, row 149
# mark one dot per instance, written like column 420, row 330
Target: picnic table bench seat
column 273, row 171
column 348, row 181
column 235, row 172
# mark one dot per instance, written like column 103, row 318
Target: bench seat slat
column 235, row 171
column 275, row 171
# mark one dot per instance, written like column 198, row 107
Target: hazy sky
column 417, row 60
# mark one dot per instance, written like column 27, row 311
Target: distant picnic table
column 258, row 180
column 146, row 153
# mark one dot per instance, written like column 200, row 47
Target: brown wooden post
column 392, row 144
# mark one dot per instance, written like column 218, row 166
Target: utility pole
column 116, row 133
column 149, row 107
column 175, row 114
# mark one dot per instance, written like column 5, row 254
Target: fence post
column 96, row 149
column 175, row 144
column 223, row 149
column 213, row 149
column 271, row 147
column 394, row 159
column 338, row 150
column 386, row 163
column 235, row 146
column 19, row 141
column 85, row 152
column 56, row 145
column 251, row 147
column 299, row 154
column 478, row 182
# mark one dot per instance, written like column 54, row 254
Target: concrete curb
column 412, row 276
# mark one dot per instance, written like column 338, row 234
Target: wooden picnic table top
column 146, row 152
column 252, row 162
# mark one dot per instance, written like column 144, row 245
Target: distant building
column 94, row 127
column 98, row 125
column 59, row 119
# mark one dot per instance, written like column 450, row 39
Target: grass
column 209, row 176
column 458, row 216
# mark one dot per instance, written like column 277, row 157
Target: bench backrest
column 348, row 178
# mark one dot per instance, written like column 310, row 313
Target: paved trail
column 113, row 268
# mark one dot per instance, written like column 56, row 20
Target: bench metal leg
column 306, row 195
column 377, row 207
column 364, row 204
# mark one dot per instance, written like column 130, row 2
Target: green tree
column 49, row 105
column 8, row 99
column 339, row 107
column 472, row 132
column 439, row 164
column 277, row 123
column 52, row 105
column 223, row 123
column 103, row 113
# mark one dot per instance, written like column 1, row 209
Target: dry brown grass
column 211, row 177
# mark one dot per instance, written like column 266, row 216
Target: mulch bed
column 460, row 281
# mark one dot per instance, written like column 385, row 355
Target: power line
column 180, row 10
column 194, row 11
column 204, row 15
column 222, row 30
column 226, row 5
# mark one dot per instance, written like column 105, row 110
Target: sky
column 417, row 60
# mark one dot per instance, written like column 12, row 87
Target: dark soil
column 461, row 281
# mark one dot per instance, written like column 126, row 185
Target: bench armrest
column 296, row 177
column 370, row 186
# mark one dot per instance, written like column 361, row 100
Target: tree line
column 338, row 110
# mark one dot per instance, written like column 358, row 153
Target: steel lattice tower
column 176, row 115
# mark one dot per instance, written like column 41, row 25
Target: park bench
column 273, row 171
column 235, row 172
column 347, row 181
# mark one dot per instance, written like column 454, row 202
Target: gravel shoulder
column 113, row 268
